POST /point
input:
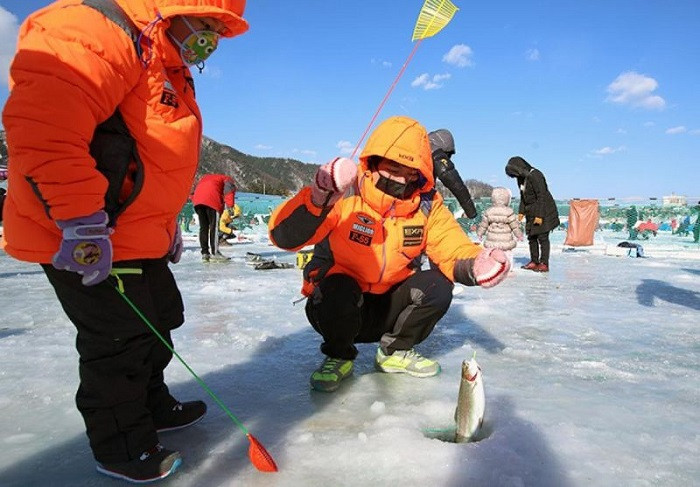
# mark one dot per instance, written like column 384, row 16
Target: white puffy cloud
column 532, row 54
column 636, row 90
column 676, row 130
column 304, row 152
column 381, row 62
column 606, row 151
column 9, row 26
column 345, row 147
column 459, row 55
column 428, row 82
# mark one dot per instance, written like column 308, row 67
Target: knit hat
column 442, row 139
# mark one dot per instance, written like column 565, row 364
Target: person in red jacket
column 211, row 194
column 104, row 135
column 370, row 226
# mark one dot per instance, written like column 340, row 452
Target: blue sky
column 602, row 96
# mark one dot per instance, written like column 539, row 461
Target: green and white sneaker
column 328, row 376
column 406, row 362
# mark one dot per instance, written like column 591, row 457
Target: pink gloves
column 85, row 248
column 332, row 180
column 490, row 267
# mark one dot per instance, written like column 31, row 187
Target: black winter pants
column 539, row 248
column 207, row 228
column 121, row 359
column 398, row 319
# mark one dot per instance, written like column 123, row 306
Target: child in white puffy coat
column 499, row 225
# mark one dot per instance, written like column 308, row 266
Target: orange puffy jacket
column 375, row 238
column 75, row 69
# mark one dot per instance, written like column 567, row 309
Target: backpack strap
column 112, row 10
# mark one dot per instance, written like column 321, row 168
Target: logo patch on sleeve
column 169, row 96
column 412, row 235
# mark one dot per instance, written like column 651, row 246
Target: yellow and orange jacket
column 227, row 218
column 376, row 239
column 76, row 70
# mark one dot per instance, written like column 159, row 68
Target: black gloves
column 447, row 173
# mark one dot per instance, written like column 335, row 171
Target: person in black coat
column 538, row 208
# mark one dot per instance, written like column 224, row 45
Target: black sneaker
column 154, row 464
column 180, row 416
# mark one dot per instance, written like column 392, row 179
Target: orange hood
column 402, row 140
column 230, row 12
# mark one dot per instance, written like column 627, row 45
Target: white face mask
column 198, row 46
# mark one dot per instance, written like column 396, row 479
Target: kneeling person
column 370, row 227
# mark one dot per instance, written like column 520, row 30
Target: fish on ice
column 471, row 402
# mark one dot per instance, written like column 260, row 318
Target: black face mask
column 394, row 188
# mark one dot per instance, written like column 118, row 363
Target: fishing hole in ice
column 448, row 435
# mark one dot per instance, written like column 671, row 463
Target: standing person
column 210, row 195
column 370, row 226
column 538, row 208
column 184, row 218
column 103, row 135
column 442, row 145
column 632, row 218
column 696, row 228
column 3, row 191
column 499, row 226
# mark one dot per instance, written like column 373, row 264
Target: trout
column 471, row 402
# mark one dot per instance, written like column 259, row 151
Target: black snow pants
column 539, row 248
column 207, row 228
column 121, row 359
column 398, row 319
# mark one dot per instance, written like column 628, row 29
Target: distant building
column 674, row 200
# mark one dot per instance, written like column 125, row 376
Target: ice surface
column 592, row 377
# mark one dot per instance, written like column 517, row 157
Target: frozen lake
column 592, row 377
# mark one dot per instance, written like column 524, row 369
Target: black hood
column 518, row 167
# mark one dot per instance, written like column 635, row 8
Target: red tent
column 648, row 225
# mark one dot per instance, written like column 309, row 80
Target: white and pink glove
column 332, row 180
column 487, row 269
column 490, row 267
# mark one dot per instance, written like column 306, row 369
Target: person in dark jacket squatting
column 370, row 225
column 538, row 208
